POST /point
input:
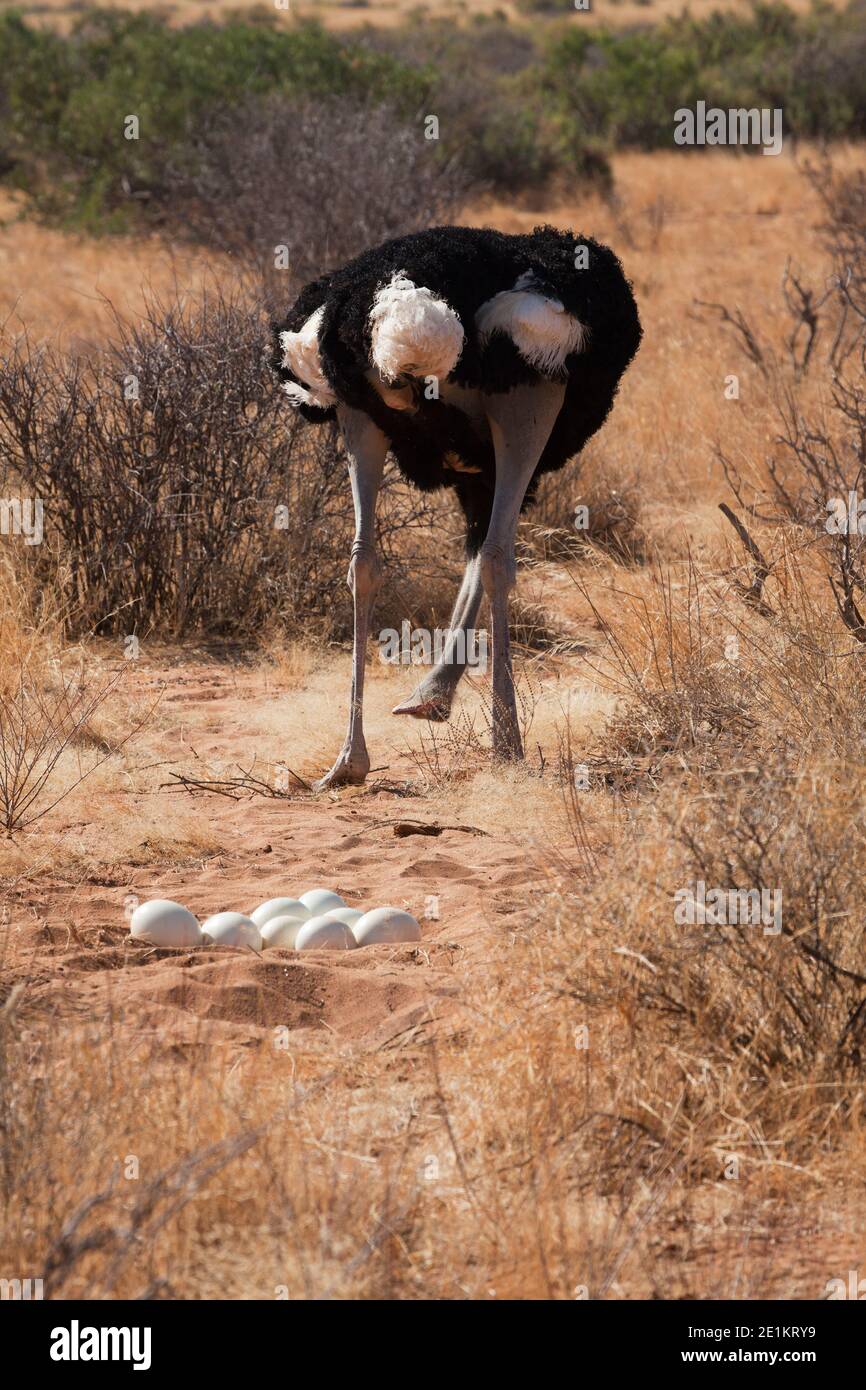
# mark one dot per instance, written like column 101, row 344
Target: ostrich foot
column 431, row 700
column 434, row 711
column 350, row 769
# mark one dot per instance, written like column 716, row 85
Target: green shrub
column 485, row 91
column 517, row 104
column 67, row 99
column 624, row 87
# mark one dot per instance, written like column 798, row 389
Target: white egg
column 319, row 900
column 279, row 907
column 349, row 915
column 386, row 924
column 324, row 934
column 232, row 929
column 164, row 923
column 281, row 931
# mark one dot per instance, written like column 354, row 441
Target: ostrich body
column 481, row 360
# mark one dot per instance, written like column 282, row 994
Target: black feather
column 466, row 266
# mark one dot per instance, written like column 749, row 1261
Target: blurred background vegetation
column 520, row 106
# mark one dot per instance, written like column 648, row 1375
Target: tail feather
column 412, row 332
column 538, row 325
column 301, row 358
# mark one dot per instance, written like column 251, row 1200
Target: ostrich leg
column 366, row 447
column 520, row 422
column 433, row 696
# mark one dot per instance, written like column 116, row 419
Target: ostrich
column 481, row 360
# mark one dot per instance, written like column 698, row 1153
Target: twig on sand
column 402, row 828
column 246, row 784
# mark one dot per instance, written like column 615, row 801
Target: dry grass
column 69, row 288
column 613, row 1101
column 31, row 623
column 523, row 1162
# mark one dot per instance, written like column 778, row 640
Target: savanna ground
column 562, row 1091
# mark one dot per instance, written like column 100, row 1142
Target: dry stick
column 179, row 1181
column 846, row 603
column 192, row 785
column 804, row 309
column 233, row 787
column 845, row 600
column 740, row 324
column 752, row 595
column 420, row 827
column 179, row 1184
